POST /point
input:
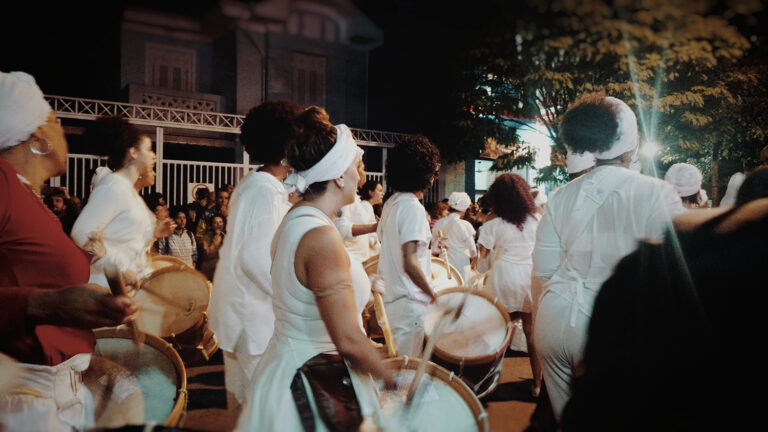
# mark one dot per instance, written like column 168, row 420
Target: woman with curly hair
column 590, row 224
column 405, row 257
column 511, row 236
column 240, row 311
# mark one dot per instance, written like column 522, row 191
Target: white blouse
column 117, row 210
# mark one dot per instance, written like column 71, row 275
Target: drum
column 172, row 300
column 135, row 385
column 441, row 402
column 174, row 304
column 472, row 346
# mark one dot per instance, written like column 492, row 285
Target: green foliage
column 690, row 74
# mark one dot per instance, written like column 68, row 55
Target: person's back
column 588, row 226
column 592, row 243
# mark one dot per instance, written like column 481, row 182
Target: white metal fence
column 178, row 175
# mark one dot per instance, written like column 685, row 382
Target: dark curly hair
column 268, row 129
column 590, row 124
column 365, row 190
column 113, row 136
column 412, row 164
column 314, row 139
column 510, row 198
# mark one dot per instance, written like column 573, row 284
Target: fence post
column 159, row 163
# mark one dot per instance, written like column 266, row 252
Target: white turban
column 22, row 108
column 686, row 178
column 626, row 138
column 332, row 165
column 578, row 162
column 459, row 201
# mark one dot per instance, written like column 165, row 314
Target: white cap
column 459, row 201
column 23, row 108
column 578, row 162
column 686, row 178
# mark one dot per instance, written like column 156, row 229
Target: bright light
column 650, row 148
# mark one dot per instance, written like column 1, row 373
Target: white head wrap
column 626, row 139
column 686, row 178
column 578, row 162
column 332, row 165
column 22, row 108
column 459, row 201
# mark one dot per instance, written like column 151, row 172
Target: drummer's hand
column 377, row 284
column 130, row 280
column 164, row 228
column 85, row 306
column 95, row 245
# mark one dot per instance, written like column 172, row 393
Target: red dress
column 35, row 254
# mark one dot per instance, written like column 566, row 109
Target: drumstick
column 381, row 317
column 431, row 344
column 444, row 253
column 117, row 286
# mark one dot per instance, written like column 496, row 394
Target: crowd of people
column 603, row 272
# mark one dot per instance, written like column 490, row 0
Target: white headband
column 626, row 139
column 22, row 108
column 332, row 165
column 578, row 162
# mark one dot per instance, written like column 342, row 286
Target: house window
column 313, row 26
column 308, row 79
column 170, row 68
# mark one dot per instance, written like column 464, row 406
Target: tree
column 679, row 64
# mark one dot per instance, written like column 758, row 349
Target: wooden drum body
column 134, row 384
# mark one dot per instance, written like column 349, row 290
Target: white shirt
column 403, row 219
column 355, row 214
column 460, row 236
column 128, row 227
column 240, row 311
column 574, row 245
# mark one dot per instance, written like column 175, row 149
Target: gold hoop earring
column 48, row 147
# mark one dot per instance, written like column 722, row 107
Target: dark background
column 72, row 49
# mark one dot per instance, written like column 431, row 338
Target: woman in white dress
column 458, row 235
column 511, row 236
column 319, row 292
column 115, row 212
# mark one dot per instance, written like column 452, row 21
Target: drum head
column 479, row 333
column 440, row 271
column 161, row 261
column 171, row 299
column 134, row 385
column 442, row 401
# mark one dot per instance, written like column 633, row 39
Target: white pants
column 49, row 398
column 406, row 317
column 238, row 371
column 560, row 333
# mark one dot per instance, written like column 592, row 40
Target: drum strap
column 334, row 395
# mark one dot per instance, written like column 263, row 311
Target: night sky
column 72, row 48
